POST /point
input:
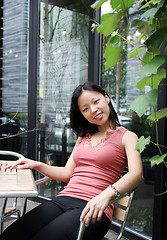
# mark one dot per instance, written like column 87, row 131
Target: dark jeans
column 55, row 220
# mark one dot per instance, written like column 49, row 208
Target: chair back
column 121, row 210
column 122, row 207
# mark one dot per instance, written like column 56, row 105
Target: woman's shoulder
column 125, row 130
column 129, row 138
column 83, row 138
column 78, row 141
column 121, row 129
column 127, row 134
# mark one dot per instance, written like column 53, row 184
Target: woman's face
column 94, row 107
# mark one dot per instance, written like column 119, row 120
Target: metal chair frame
column 127, row 201
column 8, row 212
column 120, row 212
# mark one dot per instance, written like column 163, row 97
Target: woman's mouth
column 98, row 116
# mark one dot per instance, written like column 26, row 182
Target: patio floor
column 31, row 204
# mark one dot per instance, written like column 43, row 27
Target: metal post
column 94, row 58
column 1, row 54
column 160, row 202
column 32, row 78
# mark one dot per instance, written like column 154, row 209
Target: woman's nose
column 93, row 109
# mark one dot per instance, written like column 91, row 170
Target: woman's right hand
column 23, row 163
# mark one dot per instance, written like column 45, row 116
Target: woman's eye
column 96, row 101
column 85, row 109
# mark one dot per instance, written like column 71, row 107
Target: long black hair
column 80, row 125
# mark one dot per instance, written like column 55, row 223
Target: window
column 63, row 65
column 14, row 75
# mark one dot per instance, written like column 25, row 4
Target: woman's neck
column 107, row 127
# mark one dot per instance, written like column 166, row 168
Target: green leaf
column 152, row 81
column 141, row 143
column 156, row 39
column 158, row 115
column 162, row 9
column 152, row 66
column 165, row 51
column 156, row 160
column 109, row 22
column 137, row 23
column 141, row 1
column 135, row 52
column 98, row 4
column 112, row 51
column 148, row 3
column 148, row 56
column 121, row 5
column 143, row 102
column 149, row 14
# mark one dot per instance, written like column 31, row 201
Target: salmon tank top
column 97, row 167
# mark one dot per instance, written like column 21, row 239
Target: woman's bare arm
column 53, row 172
column 135, row 169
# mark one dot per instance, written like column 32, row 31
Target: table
column 15, row 183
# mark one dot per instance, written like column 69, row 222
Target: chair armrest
column 82, row 224
column 121, row 196
column 42, row 180
column 11, row 153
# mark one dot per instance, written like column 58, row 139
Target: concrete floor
column 31, row 204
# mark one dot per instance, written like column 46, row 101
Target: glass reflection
column 63, row 64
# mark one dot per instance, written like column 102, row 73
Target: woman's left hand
column 95, row 207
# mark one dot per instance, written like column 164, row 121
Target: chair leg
column 1, row 227
column 4, row 215
column 81, row 230
column 15, row 203
column 3, row 206
column 18, row 214
column 121, row 231
column 24, row 205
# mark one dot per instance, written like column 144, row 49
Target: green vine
column 19, row 132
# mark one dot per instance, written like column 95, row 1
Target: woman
column 93, row 171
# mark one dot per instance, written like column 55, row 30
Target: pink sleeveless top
column 97, row 167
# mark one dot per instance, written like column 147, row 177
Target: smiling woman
column 94, row 107
column 101, row 153
column 90, row 104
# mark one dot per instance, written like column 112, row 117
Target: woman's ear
column 107, row 97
